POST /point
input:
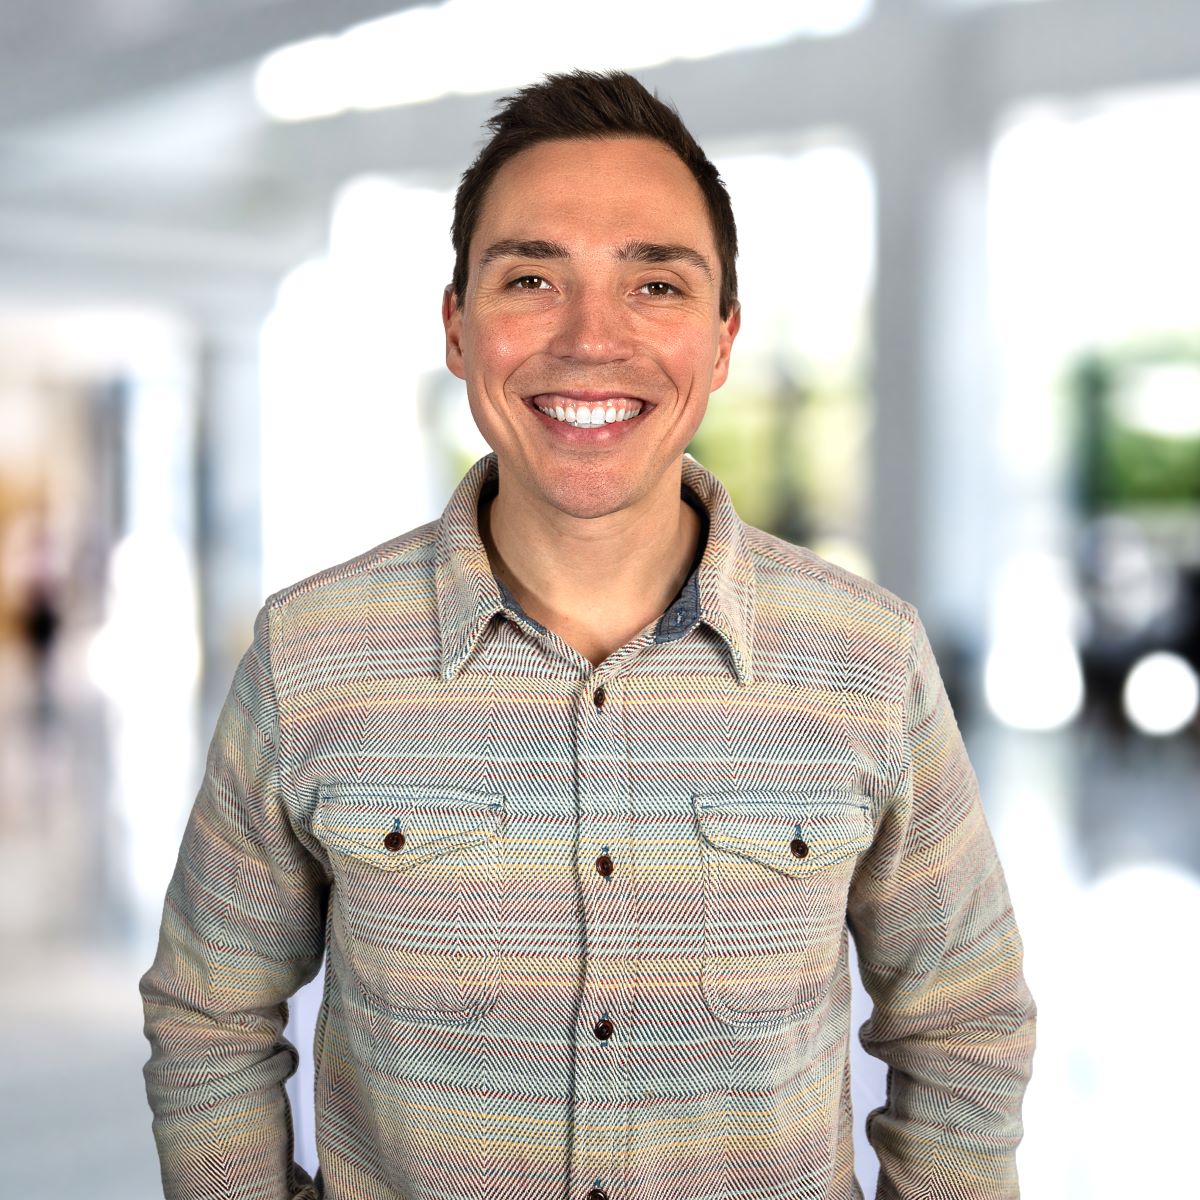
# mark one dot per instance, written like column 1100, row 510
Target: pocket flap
column 356, row 819
column 792, row 834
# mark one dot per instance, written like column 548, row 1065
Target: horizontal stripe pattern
column 411, row 781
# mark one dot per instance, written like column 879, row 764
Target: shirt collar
column 720, row 592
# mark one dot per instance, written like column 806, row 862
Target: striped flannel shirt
column 585, row 928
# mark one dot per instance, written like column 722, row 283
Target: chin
column 586, row 508
column 586, row 495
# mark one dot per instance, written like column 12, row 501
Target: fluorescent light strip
column 472, row 47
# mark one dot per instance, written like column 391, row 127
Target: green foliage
column 1141, row 469
column 1119, row 465
column 791, row 455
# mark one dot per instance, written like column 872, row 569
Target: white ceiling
column 134, row 159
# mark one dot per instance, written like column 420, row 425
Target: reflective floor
column 1100, row 835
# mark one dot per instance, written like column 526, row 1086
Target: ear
column 452, row 323
column 729, row 330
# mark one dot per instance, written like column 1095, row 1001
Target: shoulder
column 794, row 578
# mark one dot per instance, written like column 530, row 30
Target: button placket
column 602, row 780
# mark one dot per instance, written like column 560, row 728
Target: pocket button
column 394, row 840
column 799, row 847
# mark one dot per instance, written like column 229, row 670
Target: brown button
column 599, row 696
column 597, row 1194
column 604, row 865
column 394, row 840
column 603, row 1030
column 799, row 847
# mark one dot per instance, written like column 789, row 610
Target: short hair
column 589, row 104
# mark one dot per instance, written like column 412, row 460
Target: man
column 581, row 787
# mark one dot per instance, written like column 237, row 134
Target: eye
column 659, row 287
column 529, row 283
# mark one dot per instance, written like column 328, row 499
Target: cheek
column 693, row 356
column 497, row 344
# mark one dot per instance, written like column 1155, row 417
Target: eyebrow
column 633, row 251
column 660, row 252
column 521, row 248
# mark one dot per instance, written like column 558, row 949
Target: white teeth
column 585, row 417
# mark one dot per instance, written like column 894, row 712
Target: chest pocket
column 416, row 893
column 777, row 875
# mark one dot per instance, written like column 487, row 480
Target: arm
column 940, row 955
column 242, row 929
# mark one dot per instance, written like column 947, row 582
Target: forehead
column 601, row 191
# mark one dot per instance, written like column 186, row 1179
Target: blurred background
column 969, row 368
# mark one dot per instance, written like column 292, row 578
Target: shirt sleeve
column 242, row 929
column 940, row 955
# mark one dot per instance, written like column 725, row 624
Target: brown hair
column 588, row 104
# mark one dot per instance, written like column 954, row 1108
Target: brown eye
column 658, row 288
column 528, row 282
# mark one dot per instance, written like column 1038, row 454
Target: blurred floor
column 1098, row 834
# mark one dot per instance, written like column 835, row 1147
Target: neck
column 597, row 581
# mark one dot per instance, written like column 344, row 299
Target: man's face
column 593, row 293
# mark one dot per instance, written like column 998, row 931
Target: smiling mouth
column 584, row 414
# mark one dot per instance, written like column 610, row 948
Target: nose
column 594, row 326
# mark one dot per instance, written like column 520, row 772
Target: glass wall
column 1095, row 629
